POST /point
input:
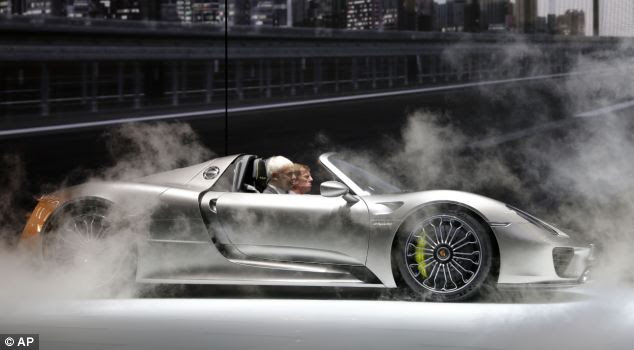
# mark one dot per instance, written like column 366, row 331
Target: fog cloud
column 95, row 267
column 142, row 149
column 574, row 165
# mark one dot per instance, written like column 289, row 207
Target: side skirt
column 187, row 262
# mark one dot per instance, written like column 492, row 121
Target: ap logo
column 19, row 342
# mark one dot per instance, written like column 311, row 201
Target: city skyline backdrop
column 563, row 17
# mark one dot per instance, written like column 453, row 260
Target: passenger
column 279, row 171
column 304, row 182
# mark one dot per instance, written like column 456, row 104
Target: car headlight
column 533, row 220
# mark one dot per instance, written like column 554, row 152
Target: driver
column 304, row 182
column 281, row 175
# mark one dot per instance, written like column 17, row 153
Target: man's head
column 279, row 170
column 303, row 182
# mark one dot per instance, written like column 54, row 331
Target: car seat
column 250, row 175
column 259, row 174
column 242, row 180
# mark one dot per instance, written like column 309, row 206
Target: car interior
column 249, row 174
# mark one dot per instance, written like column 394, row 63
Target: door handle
column 212, row 205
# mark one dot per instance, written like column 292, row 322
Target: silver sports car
column 209, row 223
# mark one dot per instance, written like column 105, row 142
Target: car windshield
column 365, row 175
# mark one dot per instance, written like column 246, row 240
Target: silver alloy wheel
column 443, row 254
column 84, row 242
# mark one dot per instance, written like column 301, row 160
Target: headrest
column 242, row 170
column 259, row 174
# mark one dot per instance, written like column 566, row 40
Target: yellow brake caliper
column 420, row 254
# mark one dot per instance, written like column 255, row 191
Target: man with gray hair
column 280, row 173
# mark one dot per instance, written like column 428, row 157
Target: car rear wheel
column 83, row 241
column 445, row 256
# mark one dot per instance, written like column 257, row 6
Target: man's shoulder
column 271, row 189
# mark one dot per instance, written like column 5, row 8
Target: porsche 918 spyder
column 210, row 224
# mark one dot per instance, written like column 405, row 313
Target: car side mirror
column 336, row 189
column 333, row 189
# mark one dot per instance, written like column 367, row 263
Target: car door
column 300, row 228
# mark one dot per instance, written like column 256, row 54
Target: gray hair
column 275, row 164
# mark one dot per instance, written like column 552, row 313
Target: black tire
column 82, row 239
column 444, row 255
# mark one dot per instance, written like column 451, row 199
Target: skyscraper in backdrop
column 272, row 13
column 364, row 14
column 563, row 17
column 526, row 16
column 319, row 13
column 496, row 15
column 616, row 18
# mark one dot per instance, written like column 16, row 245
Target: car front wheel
column 445, row 256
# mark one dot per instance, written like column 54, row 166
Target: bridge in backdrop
column 55, row 71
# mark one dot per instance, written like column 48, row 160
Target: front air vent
column 562, row 258
column 534, row 220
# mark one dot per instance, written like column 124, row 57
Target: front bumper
column 530, row 255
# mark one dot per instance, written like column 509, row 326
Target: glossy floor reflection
column 581, row 318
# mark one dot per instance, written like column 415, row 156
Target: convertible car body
column 209, row 223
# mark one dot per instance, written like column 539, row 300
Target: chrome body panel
column 293, row 281
column 195, row 235
column 200, row 262
column 131, row 198
column 144, row 192
column 526, row 255
column 190, row 177
column 388, row 212
column 302, row 228
column 333, row 189
column 209, row 209
column 177, row 217
column 525, row 250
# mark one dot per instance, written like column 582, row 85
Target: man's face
column 303, row 183
column 286, row 177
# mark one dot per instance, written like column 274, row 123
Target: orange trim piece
column 45, row 207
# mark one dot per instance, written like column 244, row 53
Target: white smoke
column 581, row 162
column 142, row 150
column 100, row 267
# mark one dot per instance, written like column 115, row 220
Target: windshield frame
column 324, row 159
